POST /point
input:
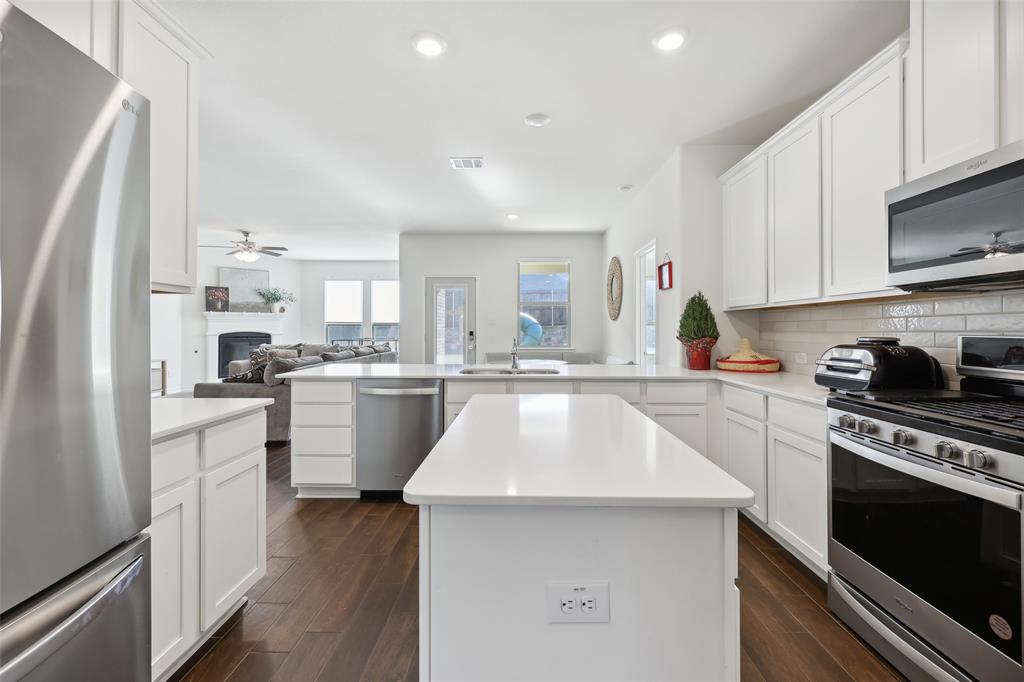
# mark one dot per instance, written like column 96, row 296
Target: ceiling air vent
column 466, row 162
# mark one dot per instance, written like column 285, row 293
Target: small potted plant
column 698, row 331
column 276, row 296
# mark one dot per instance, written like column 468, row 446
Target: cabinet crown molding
column 162, row 16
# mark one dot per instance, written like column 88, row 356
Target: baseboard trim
column 329, row 492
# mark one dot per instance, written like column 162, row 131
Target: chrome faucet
column 515, row 353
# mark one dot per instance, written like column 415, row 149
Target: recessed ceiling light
column 670, row 41
column 512, row 216
column 625, row 188
column 429, row 44
column 537, row 120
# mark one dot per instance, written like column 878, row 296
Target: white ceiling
column 323, row 130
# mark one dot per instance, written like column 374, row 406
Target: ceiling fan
column 994, row 249
column 249, row 251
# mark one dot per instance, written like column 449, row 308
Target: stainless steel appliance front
column 74, row 331
column 398, row 422
column 925, row 552
column 961, row 228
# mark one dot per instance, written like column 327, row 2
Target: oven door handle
column 1000, row 496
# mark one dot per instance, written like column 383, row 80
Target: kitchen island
column 571, row 537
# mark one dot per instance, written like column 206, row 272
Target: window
column 343, row 311
column 650, row 276
column 384, row 310
column 544, row 304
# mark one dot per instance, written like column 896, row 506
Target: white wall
column 165, row 335
column 284, row 273
column 680, row 209
column 493, row 260
column 312, row 278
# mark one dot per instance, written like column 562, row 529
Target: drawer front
column 745, row 402
column 559, row 387
column 315, row 414
column 235, row 438
column 627, row 390
column 462, row 391
column 324, row 440
column 322, row 471
column 174, row 460
column 662, row 392
column 321, row 391
column 805, row 420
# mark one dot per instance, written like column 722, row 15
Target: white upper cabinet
column 952, row 82
column 861, row 145
column 1013, row 71
column 744, row 195
column 794, row 215
column 159, row 62
column 89, row 26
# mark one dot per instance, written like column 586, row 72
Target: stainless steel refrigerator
column 74, row 364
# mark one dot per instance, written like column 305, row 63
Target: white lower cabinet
column 174, row 547
column 744, row 456
column 208, row 534
column 234, row 533
column 798, row 492
column 324, row 438
column 688, row 423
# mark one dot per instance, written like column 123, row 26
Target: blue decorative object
column 530, row 331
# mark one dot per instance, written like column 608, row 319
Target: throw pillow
column 360, row 351
column 340, row 355
column 383, row 348
column 262, row 355
column 282, row 365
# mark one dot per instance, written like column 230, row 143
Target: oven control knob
column 866, row 426
column 902, row 437
column 946, row 450
column 847, row 421
column 978, row 459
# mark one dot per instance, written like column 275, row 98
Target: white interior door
column 451, row 320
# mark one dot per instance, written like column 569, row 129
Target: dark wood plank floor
column 339, row 602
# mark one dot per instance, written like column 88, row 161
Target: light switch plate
column 801, row 358
column 584, row 601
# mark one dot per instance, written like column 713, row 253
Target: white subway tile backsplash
column 932, row 324
column 969, row 306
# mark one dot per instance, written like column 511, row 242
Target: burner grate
column 988, row 411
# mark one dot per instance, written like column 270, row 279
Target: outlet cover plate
column 597, row 590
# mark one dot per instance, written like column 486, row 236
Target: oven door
column 960, row 228
column 937, row 549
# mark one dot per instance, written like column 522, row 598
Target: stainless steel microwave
column 962, row 228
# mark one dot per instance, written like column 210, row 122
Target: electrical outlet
column 578, row 602
column 801, row 358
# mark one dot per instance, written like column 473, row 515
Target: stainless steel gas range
column 925, row 504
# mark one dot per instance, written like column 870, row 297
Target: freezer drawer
column 398, row 421
column 95, row 626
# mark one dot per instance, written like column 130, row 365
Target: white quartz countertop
column 784, row 384
column 567, row 450
column 173, row 416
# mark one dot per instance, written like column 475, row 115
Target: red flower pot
column 698, row 353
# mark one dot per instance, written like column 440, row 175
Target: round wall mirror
column 614, row 288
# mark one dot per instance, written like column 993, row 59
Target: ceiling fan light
column 247, row 256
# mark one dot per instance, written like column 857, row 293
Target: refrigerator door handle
column 48, row 644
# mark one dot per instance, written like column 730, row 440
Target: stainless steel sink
column 499, row 371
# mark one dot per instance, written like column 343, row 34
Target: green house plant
column 698, row 331
column 276, row 296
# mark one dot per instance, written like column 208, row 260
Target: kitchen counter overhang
column 567, row 450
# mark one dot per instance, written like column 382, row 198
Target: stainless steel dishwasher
column 398, row 421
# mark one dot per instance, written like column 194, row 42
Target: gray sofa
column 309, row 355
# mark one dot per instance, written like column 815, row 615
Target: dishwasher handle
column 399, row 391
